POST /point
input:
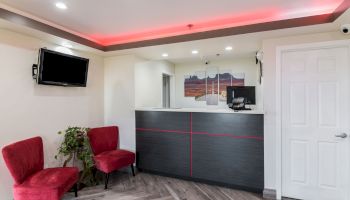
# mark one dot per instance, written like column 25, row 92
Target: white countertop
column 206, row 110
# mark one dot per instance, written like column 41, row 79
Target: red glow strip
column 260, row 15
column 237, row 19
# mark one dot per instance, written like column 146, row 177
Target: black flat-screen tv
column 61, row 69
column 247, row 92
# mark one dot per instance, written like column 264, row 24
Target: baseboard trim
column 269, row 194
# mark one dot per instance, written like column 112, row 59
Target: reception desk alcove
column 219, row 147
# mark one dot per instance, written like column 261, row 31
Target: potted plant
column 76, row 147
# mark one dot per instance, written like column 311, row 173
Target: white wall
column 29, row 110
column 269, row 90
column 119, row 99
column 149, row 83
column 237, row 65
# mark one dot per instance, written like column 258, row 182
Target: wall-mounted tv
column 247, row 92
column 61, row 69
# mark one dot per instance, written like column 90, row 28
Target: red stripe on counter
column 191, row 132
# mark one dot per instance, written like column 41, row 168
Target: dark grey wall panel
column 178, row 121
column 228, row 160
column 163, row 152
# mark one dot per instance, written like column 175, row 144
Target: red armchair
column 25, row 161
column 104, row 143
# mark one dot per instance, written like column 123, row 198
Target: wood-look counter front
column 214, row 146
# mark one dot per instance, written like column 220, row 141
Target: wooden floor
column 152, row 187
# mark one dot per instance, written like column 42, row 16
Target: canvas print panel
column 195, row 85
column 212, row 86
column 238, row 79
column 227, row 78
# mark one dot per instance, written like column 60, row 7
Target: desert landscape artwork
column 195, row 85
column 210, row 85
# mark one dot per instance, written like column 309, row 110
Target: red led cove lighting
column 318, row 7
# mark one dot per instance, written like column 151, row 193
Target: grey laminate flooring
column 146, row 186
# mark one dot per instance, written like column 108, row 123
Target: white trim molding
column 269, row 194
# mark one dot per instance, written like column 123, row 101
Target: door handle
column 342, row 135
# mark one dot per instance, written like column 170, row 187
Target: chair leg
column 132, row 169
column 94, row 171
column 106, row 180
column 76, row 190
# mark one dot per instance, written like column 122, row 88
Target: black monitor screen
column 61, row 69
column 247, row 92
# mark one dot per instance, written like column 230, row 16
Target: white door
column 315, row 124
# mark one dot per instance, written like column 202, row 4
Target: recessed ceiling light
column 228, row 48
column 61, row 5
column 67, row 45
column 195, row 52
column 165, row 55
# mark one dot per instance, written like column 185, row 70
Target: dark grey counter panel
column 160, row 150
column 236, row 124
column 179, row 121
column 227, row 149
column 232, row 161
column 163, row 152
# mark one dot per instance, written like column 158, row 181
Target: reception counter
column 214, row 146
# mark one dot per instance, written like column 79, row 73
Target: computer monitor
column 247, row 92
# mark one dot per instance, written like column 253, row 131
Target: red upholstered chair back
column 103, row 139
column 24, row 158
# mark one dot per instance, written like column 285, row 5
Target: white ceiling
column 110, row 21
column 244, row 45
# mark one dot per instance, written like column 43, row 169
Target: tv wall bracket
column 35, row 71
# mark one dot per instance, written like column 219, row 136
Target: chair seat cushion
column 49, row 183
column 109, row 161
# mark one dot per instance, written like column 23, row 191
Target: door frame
column 172, row 89
column 279, row 51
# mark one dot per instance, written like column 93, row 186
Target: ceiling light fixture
column 61, row 5
column 228, row 48
column 195, row 52
column 165, row 55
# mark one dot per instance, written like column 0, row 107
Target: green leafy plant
column 76, row 146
